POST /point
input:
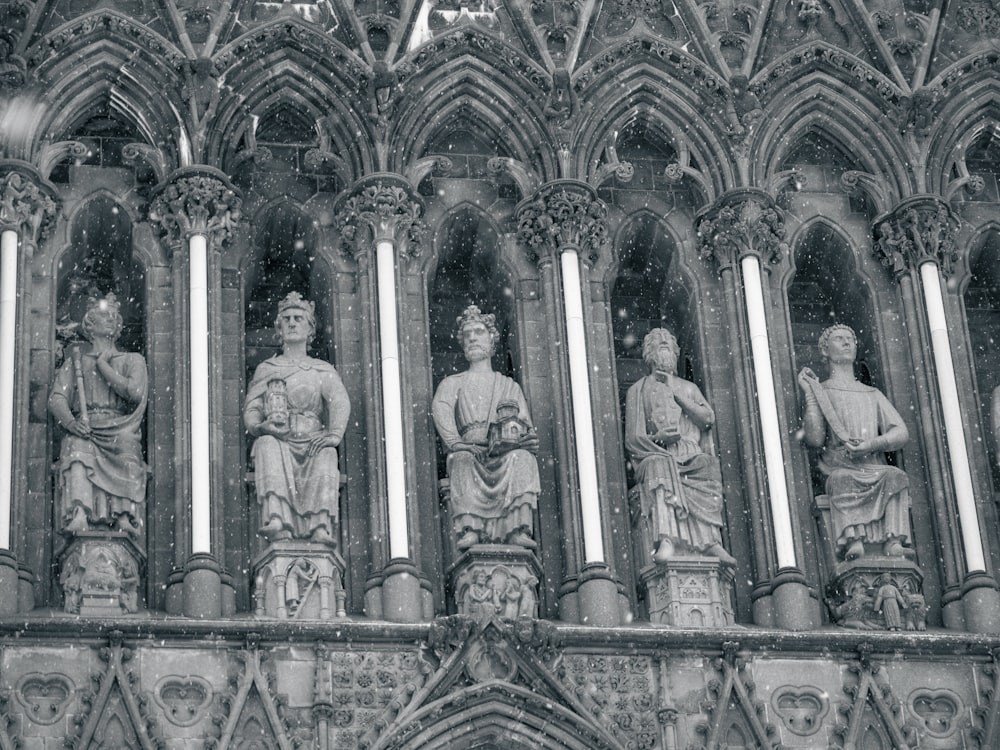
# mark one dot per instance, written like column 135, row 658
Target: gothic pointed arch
column 275, row 65
column 484, row 89
column 978, row 111
column 855, row 128
column 251, row 718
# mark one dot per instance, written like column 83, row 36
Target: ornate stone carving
column 872, row 707
column 100, row 574
column 564, row 213
column 921, row 229
column 24, row 205
column 184, row 699
column 688, row 592
column 45, row 697
column 299, row 580
column 801, row 708
column 742, row 222
column 381, row 208
column 939, row 711
column 483, row 421
column 496, row 581
column 196, row 200
column 877, row 594
column 979, row 17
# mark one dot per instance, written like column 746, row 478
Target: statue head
column 473, row 315
column 102, row 310
column 835, row 331
column 294, row 300
column 652, row 354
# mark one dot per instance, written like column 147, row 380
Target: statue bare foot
column 273, row 529
column 894, row 548
column 520, row 538
column 855, row 550
column 322, row 535
column 124, row 523
column 717, row 550
column 467, row 539
column 78, row 522
column 664, row 551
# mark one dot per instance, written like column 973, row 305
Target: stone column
column 27, row 211
column 376, row 218
column 917, row 241
column 565, row 221
column 197, row 209
column 743, row 229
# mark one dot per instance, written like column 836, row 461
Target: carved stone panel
column 100, row 572
column 691, row 592
column 496, row 580
column 299, row 580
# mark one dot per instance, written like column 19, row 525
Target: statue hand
column 78, row 428
column 318, row 443
column 479, row 451
column 858, row 448
column 807, row 378
column 665, row 438
column 529, row 442
column 275, row 429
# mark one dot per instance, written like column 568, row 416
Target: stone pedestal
column 299, row 580
column 877, row 593
column 496, row 580
column 689, row 592
column 100, row 573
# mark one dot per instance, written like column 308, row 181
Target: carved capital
column 27, row 202
column 196, row 200
column 381, row 208
column 921, row 229
column 741, row 223
column 563, row 214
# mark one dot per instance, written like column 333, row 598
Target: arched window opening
column 983, row 159
column 105, row 134
column 982, row 310
column 469, row 143
column 648, row 147
column 822, row 161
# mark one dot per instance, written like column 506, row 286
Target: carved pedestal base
column 496, row 580
column 100, row 573
column 299, row 580
column 689, row 592
column 877, row 593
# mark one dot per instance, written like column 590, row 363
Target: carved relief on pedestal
column 299, row 580
column 100, row 574
column 496, row 581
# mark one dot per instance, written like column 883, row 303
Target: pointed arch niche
column 982, row 311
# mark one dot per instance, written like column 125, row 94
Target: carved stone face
column 477, row 341
column 665, row 358
column 294, row 325
column 840, row 346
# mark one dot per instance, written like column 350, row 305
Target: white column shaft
column 392, row 406
column 8, row 340
column 774, row 459
column 958, row 457
column 201, row 477
column 583, row 421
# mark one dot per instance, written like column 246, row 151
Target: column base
column 25, row 589
column 952, row 613
column 299, row 580
column 569, row 599
column 689, row 591
column 794, row 603
column 981, row 603
column 402, row 594
column 10, row 582
column 598, row 597
column 202, row 587
column 495, row 580
column 100, row 573
column 762, row 605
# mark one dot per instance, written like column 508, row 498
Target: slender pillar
column 26, row 214
column 566, row 219
column 918, row 236
column 197, row 209
column 743, row 228
column 377, row 216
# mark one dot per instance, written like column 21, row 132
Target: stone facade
column 742, row 174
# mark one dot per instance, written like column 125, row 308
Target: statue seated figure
column 680, row 484
column 483, row 421
column 854, row 425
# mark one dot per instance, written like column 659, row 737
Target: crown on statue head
column 107, row 303
column 294, row 299
column 472, row 314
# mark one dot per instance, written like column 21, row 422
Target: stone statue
column 482, row 418
column 102, row 477
column 297, row 409
column 680, row 484
column 855, row 425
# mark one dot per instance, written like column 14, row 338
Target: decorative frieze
column 742, row 222
column 196, row 200
column 921, row 229
column 563, row 213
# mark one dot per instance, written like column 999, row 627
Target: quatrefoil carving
column 45, row 697
column 801, row 708
column 184, row 700
column 937, row 710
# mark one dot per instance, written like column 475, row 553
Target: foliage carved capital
column 919, row 230
column 27, row 202
column 741, row 223
column 563, row 214
column 196, row 200
column 381, row 208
